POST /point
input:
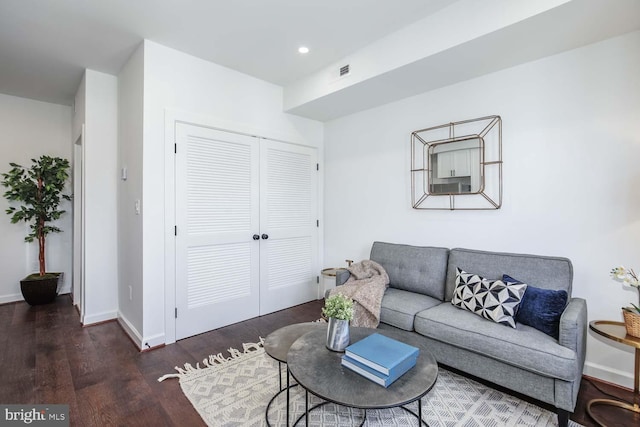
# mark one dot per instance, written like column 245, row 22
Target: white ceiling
column 466, row 40
column 46, row 44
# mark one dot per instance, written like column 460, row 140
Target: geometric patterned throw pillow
column 492, row 299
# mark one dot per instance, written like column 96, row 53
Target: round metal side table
column 616, row 331
column 331, row 272
column 277, row 346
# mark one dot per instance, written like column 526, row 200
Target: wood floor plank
column 86, row 363
column 18, row 356
column 151, row 415
column 48, row 357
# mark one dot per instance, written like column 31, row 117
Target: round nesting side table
column 616, row 331
column 277, row 346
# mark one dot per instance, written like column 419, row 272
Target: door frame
column 78, row 275
column 173, row 117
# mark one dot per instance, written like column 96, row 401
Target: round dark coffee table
column 277, row 346
column 320, row 372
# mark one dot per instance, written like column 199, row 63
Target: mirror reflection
column 455, row 167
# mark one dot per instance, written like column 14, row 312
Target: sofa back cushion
column 420, row 269
column 540, row 271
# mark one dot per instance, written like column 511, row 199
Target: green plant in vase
column 339, row 310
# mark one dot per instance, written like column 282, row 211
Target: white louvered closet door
column 288, row 215
column 217, row 214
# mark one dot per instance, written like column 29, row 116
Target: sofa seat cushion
column 400, row 307
column 524, row 346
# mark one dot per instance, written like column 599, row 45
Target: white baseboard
column 91, row 319
column 605, row 373
column 130, row 330
column 153, row 341
column 5, row 299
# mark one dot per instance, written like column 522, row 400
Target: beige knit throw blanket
column 366, row 287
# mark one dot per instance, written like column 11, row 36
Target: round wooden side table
column 331, row 272
column 616, row 331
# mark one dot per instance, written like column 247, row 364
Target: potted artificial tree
column 39, row 192
column 339, row 311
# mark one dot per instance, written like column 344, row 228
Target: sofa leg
column 563, row 418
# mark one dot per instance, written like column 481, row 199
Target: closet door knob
column 256, row 237
column 265, row 236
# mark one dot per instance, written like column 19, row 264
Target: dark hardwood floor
column 47, row 357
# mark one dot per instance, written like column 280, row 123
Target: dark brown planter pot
column 38, row 290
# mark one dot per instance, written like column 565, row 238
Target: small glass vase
column 337, row 334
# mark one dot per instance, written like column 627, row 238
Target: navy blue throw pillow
column 541, row 308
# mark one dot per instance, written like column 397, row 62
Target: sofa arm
column 342, row 275
column 573, row 328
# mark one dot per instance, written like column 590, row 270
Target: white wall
column 96, row 108
column 130, row 109
column 30, row 129
column 100, row 179
column 571, row 141
column 180, row 85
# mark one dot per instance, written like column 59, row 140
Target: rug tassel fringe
column 215, row 359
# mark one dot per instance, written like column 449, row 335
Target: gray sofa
column 525, row 360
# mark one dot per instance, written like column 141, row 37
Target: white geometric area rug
column 235, row 391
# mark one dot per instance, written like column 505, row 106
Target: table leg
column 609, row 402
column 282, row 390
column 306, row 408
column 287, row 421
column 420, row 412
column 636, row 373
column 636, row 382
column 636, row 395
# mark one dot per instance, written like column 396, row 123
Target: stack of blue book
column 380, row 359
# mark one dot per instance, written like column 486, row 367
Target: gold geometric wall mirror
column 457, row 165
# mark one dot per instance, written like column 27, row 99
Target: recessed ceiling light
column 303, row 49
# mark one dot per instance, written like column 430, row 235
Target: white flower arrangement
column 628, row 277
